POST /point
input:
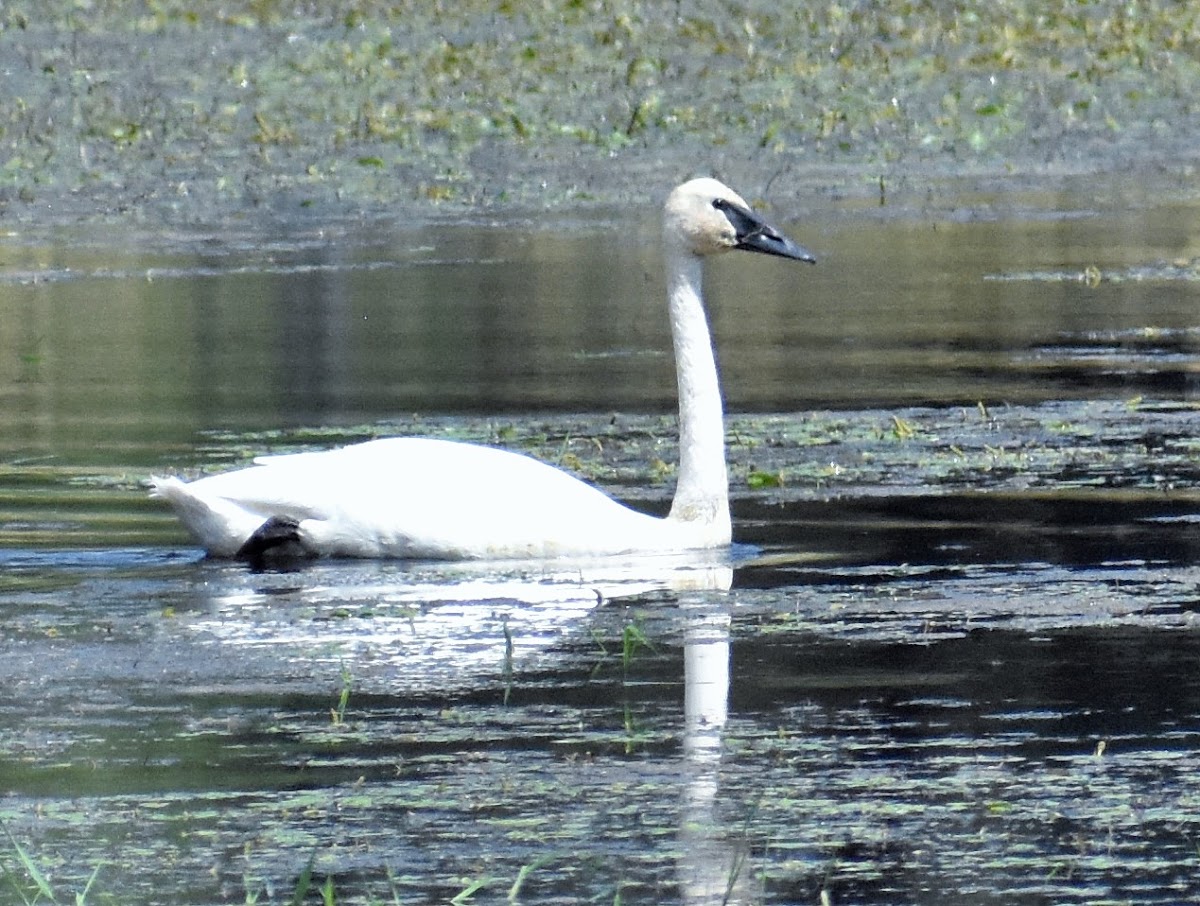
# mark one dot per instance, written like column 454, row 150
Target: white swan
column 379, row 498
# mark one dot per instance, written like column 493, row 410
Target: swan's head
column 704, row 217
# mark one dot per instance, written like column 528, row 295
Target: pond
column 952, row 657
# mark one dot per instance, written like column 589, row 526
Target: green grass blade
column 31, row 868
column 81, row 898
column 10, row 880
column 506, row 672
column 469, row 891
column 525, row 872
column 304, row 882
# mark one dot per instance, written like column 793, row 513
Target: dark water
column 953, row 661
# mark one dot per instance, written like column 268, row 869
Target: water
column 952, row 661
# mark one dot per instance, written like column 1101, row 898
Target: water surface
column 952, row 659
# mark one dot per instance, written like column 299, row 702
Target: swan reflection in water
column 438, row 629
column 710, row 860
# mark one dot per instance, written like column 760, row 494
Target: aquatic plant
column 338, row 713
column 523, row 874
column 445, row 103
column 506, row 669
column 29, row 882
column 472, row 888
column 633, row 638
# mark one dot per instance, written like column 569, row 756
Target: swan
column 377, row 499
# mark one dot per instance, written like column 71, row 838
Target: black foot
column 276, row 544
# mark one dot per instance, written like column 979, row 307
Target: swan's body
column 382, row 498
column 422, row 498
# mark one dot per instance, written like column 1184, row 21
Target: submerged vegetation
column 1134, row 444
column 198, row 109
column 1132, row 447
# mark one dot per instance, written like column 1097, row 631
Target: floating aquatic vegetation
column 262, row 104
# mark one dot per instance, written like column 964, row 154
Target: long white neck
column 702, row 494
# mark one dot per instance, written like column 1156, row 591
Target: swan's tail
column 215, row 523
column 162, row 487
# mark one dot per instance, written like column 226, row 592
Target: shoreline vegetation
column 176, row 111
